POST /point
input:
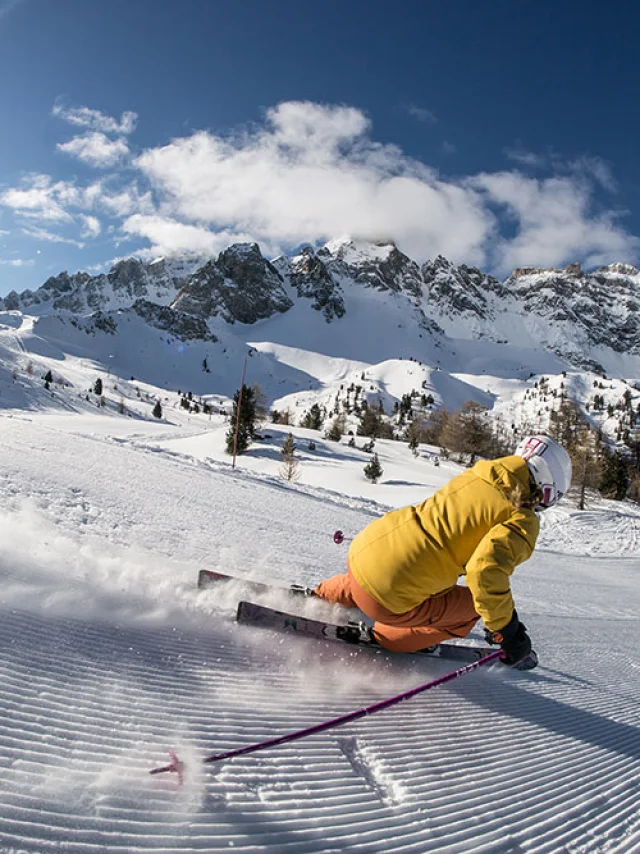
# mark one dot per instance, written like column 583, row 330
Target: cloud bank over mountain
column 310, row 172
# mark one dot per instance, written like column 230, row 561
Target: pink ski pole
column 177, row 766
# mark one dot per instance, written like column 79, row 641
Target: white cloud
column 91, row 226
column 586, row 166
column 526, row 158
column 309, row 173
column 95, row 149
column 17, row 262
column 95, row 120
column 597, row 169
column 50, row 237
column 554, row 223
column 169, row 236
column 40, row 201
column 422, row 114
column 121, row 202
column 312, row 171
column 40, row 197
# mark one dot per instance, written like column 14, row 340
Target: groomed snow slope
column 110, row 657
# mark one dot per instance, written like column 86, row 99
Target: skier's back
column 403, row 568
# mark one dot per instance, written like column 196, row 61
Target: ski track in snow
column 110, row 656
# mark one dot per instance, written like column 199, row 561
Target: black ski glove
column 513, row 639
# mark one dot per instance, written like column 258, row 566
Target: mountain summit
column 591, row 320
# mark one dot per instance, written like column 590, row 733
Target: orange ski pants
column 450, row 614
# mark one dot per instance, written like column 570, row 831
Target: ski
column 249, row 613
column 209, row 577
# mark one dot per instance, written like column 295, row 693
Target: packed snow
column 111, row 656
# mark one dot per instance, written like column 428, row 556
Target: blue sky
column 497, row 133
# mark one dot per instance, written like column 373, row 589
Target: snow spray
column 177, row 766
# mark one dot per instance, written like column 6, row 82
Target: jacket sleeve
column 499, row 552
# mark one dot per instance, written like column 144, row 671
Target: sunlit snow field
column 111, row 657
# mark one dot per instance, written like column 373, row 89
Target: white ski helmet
column 550, row 466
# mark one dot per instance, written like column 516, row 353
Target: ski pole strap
column 352, row 716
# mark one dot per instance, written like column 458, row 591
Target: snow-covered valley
column 110, row 656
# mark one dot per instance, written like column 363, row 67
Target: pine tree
column 245, row 422
column 260, row 407
column 157, row 410
column 369, row 423
column 48, row 379
column 336, row 430
column 413, row 436
column 373, row 470
column 431, row 427
column 312, row 420
column 614, row 479
column 97, row 387
column 290, row 470
column 633, row 491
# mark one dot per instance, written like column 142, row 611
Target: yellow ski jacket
column 472, row 526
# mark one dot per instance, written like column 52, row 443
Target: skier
column 403, row 568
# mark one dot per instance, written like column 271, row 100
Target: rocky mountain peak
column 357, row 251
column 378, row 264
column 241, row 285
column 437, row 266
column 576, row 314
column 309, row 275
column 619, row 269
column 574, row 269
column 460, row 290
column 245, row 264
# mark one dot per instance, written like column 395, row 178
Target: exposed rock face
column 576, row 314
column 460, row 290
column 310, row 277
column 252, row 287
column 201, row 295
column 241, row 285
column 377, row 265
column 127, row 281
column 61, row 292
column 178, row 323
column 98, row 321
column 570, row 270
column 599, row 309
column 11, row 302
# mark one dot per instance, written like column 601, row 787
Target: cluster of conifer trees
column 466, row 435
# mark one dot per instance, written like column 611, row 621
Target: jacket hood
column 508, row 474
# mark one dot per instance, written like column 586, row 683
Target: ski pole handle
column 339, row 538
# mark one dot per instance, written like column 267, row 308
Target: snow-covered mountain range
column 336, row 315
column 109, row 654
